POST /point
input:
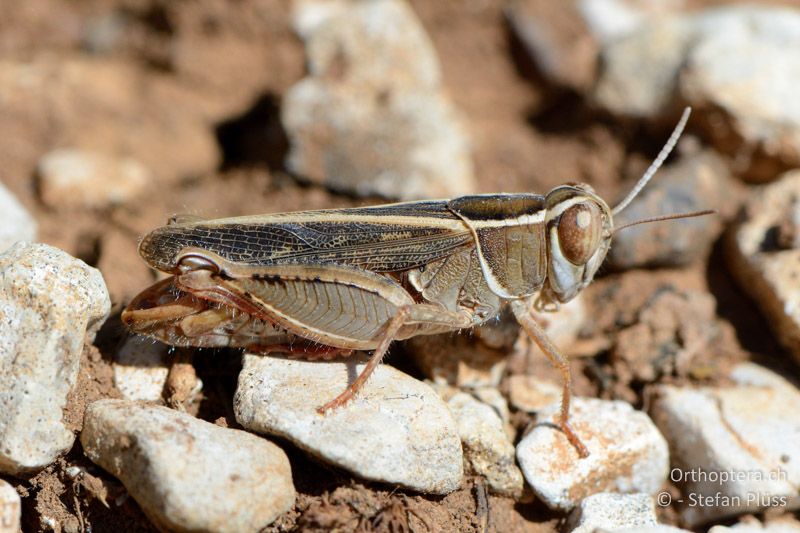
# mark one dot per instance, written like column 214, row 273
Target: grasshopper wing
column 385, row 238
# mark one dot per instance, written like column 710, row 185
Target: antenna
column 666, row 217
column 656, row 164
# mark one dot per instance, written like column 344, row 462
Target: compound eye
column 190, row 263
column 579, row 229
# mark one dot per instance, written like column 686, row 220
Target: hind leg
column 425, row 314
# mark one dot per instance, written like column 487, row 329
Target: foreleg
column 521, row 309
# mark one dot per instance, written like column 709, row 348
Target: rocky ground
column 115, row 115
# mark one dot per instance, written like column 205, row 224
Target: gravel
column 141, row 369
column 16, row 224
column 50, row 304
column 487, row 449
column 188, row 474
column 10, row 509
column 764, row 255
column 372, row 117
column 611, row 512
column 736, row 65
column 396, row 431
column 627, row 454
column 735, row 449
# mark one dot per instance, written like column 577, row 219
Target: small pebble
column 609, row 511
column 782, row 524
column 141, row 368
column 50, row 304
column 397, row 430
column 183, row 388
column 640, row 68
column 556, row 38
column 16, row 224
column 48, row 101
column 658, row 528
column 495, row 399
column 461, row 360
column 627, row 453
column 188, row 474
column 79, row 178
column 611, row 19
column 372, row 116
column 531, row 394
column 723, row 443
column 10, row 509
column 735, row 65
column 562, row 326
column 764, row 255
column 486, row 446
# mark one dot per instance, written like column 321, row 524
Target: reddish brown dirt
column 228, row 63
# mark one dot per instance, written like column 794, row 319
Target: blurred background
column 115, row 115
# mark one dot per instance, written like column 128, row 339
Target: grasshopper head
column 579, row 226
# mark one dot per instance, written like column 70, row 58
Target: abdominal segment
column 180, row 318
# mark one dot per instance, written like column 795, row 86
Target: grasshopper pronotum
column 323, row 283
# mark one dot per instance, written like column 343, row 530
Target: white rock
column 531, row 394
column 397, row 430
column 16, row 224
column 188, row 474
column 562, row 326
column 486, row 446
column 735, row 65
column 10, row 509
column 764, row 255
column 658, row 528
column 627, row 453
column 612, row 19
column 486, row 395
column 372, row 117
column 734, row 449
column 79, row 178
column 459, row 360
column 611, row 512
column 563, row 49
column 50, row 304
column 494, row 399
column 376, row 41
column 640, row 71
column 743, row 63
column 141, row 369
column 783, row 524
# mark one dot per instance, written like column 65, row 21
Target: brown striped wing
column 386, row 238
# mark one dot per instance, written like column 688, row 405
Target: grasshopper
column 320, row 284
